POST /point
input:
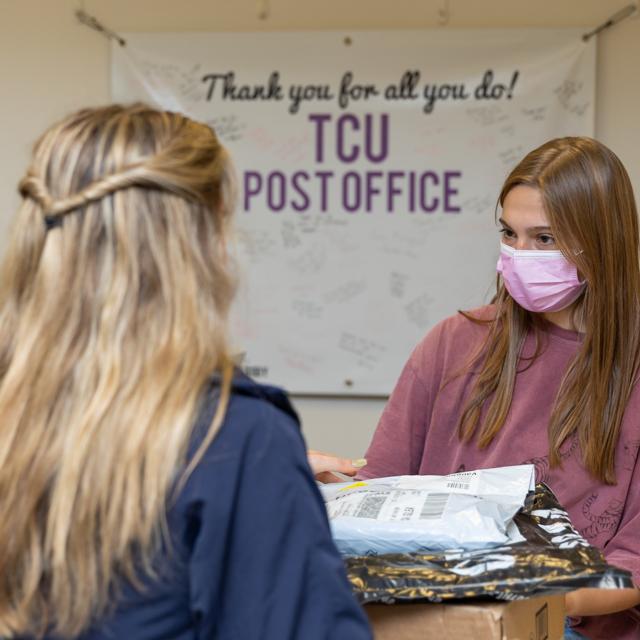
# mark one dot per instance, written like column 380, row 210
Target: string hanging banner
column 368, row 168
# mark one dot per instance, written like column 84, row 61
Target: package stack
column 477, row 539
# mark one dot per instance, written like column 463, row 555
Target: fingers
column 326, row 477
column 322, row 463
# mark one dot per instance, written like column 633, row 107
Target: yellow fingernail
column 360, row 462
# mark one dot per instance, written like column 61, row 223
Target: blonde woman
column 146, row 490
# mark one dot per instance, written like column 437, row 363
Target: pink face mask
column 539, row 280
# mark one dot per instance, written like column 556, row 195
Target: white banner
column 369, row 165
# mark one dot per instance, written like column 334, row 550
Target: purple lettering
column 412, row 192
column 250, row 191
column 276, row 204
column 371, row 189
column 324, row 177
column 383, row 152
column 300, row 191
column 449, row 191
column 355, row 125
column 392, row 190
column 429, row 208
column 354, row 204
column 319, row 120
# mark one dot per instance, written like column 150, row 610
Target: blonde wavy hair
column 114, row 295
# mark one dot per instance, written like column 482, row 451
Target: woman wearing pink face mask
column 547, row 373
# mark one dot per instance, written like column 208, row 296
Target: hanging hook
column 93, row 23
column 444, row 13
column 263, row 9
column 619, row 16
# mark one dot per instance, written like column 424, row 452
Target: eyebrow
column 539, row 228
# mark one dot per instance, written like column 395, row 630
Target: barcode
column 370, row 507
column 542, row 623
column 434, row 506
column 459, row 485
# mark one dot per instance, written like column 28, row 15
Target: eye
column 545, row 240
column 507, row 233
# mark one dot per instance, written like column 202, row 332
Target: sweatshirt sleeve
column 398, row 442
column 623, row 549
column 280, row 576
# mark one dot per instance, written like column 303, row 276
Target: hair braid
column 155, row 172
column 31, row 186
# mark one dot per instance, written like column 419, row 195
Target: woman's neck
column 566, row 318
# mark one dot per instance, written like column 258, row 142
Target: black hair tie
column 51, row 222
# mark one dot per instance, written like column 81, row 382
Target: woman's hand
column 322, row 464
column 598, row 602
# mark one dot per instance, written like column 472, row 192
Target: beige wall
column 51, row 65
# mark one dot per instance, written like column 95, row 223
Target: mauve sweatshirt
column 417, row 435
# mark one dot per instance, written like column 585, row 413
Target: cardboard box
column 533, row 619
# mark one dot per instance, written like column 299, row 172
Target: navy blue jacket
column 254, row 558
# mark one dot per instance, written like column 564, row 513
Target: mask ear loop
column 577, row 253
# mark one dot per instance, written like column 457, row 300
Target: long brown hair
column 114, row 296
column 589, row 201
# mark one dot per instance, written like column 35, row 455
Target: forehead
column 523, row 206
